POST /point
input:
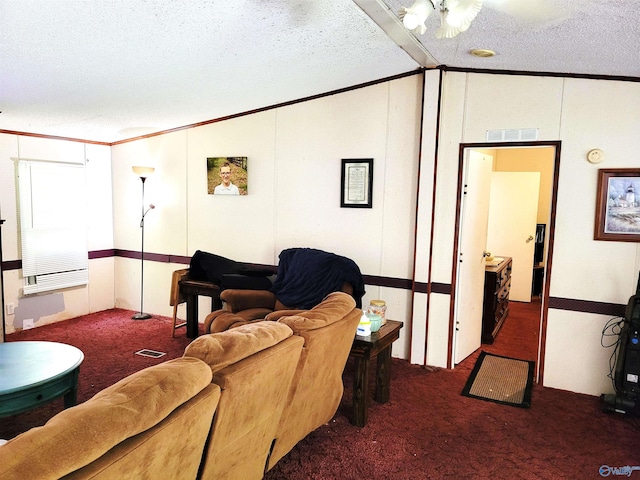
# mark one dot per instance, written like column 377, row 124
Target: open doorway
column 541, row 158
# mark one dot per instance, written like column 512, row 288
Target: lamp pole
column 143, row 173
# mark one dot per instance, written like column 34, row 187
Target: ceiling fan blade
column 462, row 12
column 538, row 10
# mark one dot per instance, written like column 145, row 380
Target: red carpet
column 426, row 430
column 109, row 340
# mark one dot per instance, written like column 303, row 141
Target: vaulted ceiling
column 112, row 70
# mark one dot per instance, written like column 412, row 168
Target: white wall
column 294, row 165
column 594, row 115
column 562, row 109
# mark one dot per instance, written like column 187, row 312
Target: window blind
column 53, row 227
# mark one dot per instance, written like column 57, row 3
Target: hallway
column 518, row 337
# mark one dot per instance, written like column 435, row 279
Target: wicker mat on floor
column 501, row 380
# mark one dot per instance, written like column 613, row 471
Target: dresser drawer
column 505, row 275
column 496, row 299
column 501, row 306
column 503, row 293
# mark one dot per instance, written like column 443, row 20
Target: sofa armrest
column 238, row 300
column 275, row 316
column 223, row 320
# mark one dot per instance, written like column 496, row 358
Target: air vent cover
column 512, row 135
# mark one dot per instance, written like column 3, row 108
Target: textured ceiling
column 596, row 37
column 117, row 69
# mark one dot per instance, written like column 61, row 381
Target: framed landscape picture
column 227, row 176
column 618, row 205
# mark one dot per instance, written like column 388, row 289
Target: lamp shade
column 143, row 172
column 455, row 16
column 414, row 17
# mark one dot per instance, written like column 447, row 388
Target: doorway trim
column 556, row 144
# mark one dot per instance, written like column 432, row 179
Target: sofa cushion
column 222, row 349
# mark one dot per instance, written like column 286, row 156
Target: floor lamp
column 143, row 173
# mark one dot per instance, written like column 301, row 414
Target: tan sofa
column 328, row 330
column 152, row 424
column 269, row 383
column 245, row 306
column 254, row 366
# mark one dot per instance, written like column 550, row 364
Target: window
column 53, row 227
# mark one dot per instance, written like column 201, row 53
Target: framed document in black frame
column 357, row 183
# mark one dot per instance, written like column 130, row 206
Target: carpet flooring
column 427, row 429
column 109, row 340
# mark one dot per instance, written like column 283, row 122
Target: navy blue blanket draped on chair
column 306, row 275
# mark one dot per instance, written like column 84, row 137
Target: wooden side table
column 191, row 289
column 378, row 345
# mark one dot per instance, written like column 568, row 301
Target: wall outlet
column 27, row 323
column 10, row 308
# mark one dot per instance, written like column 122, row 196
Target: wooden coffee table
column 363, row 350
column 34, row 373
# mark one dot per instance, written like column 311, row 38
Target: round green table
column 34, row 373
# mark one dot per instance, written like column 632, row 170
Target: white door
column 513, row 214
column 471, row 262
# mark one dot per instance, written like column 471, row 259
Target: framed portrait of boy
column 227, row 176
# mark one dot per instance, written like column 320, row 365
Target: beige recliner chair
column 152, row 424
column 328, row 330
column 254, row 366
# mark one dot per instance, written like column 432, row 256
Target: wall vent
column 512, row 135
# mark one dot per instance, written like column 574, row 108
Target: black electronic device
column 627, row 371
column 632, row 312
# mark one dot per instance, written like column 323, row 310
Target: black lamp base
column 141, row 316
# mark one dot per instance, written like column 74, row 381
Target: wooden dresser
column 497, row 282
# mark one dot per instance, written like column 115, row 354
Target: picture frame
column 235, row 179
column 357, row 183
column 618, row 205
